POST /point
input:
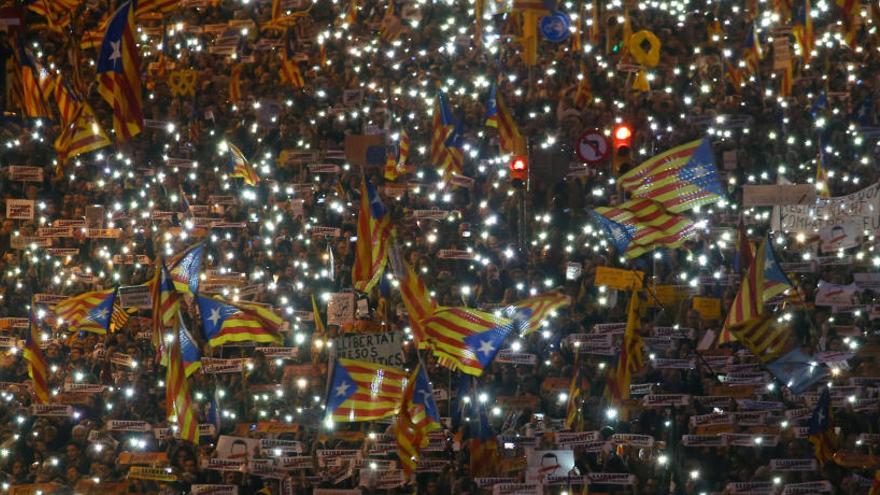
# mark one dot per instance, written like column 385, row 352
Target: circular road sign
column 592, row 147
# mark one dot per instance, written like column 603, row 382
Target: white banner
column 861, row 207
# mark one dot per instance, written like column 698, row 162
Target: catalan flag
column 224, row 322
column 573, row 418
column 529, row 314
column 822, row 177
column 803, row 30
column 185, row 269
column 679, row 179
column 88, row 312
column 290, row 73
column 241, row 167
column 753, row 52
column 797, row 370
column 391, row 171
column 160, row 6
column 118, row 318
column 640, row 225
column 38, row 368
column 482, row 446
column 118, row 71
column 735, row 74
column 850, row 10
column 631, row 358
column 364, row 391
column 446, row 147
column 92, row 39
column 820, row 429
column 374, row 233
column 765, row 335
column 466, row 339
column 34, row 83
column 178, row 402
column 189, row 351
column 403, row 151
column 786, row 82
column 235, row 84
column 498, row 116
column 584, row 93
column 80, row 131
column 58, row 13
column 418, row 416
column 320, row 329
column 419, row 304
column 764, row 280
column 165, row 303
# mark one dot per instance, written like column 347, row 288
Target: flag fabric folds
column 225, row 322
column 797, row 370
column 241, row 168
column 178, row 401
column 482, row 446
column 34, row 84
column 235, row 84
column 364, row 391
column 189, row 351
column 803, row 30
column 118, row 69
column 419, row 304
column 679, row 179
column 165, row 304
column 38, row 369
column 290, row 72
column 753, row 52
column 80, row 131
column 160, row 6
column 820, row 429
column 640, row 225
column 573, row 419
column 822, row 177
column 118, row 318
column 446, row 150
column 499, row 116
column 374, row 233
column 465, row 339
column 850, row 10
column 418, row 416
column 530, row 313
column 631, row 357
column 185, row 267
column 88, row 312
column 763, row 281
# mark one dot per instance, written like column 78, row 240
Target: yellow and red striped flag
column 160, row 6
column 87, row 312
column 419, row 304
column 38, row 369
column 235, row 84
column 241, row 168
column 641, row 225
column 374, row 233
column 418, row 416
column 631, row 357
column 80, row 131
column 803, row 30
column 290, row 72
column 446, row 146
column 850, row 11
column 118, row 69
column 530, row 313
column 573, row 418
column 178, row 402
column 498, row 115
column 466, row 339
column 118, row 318
column 34, row 84
column 364, row 391
column 224, row 322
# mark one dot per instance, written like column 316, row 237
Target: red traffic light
column 519, row 168
column 622, row 135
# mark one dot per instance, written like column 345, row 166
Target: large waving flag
column 241, row 168
column 631, row 358
column 680, row 179
column 753, row 52
column 80, row 131
column 178, row 401
column 38, row 369
column 529, row 314
column 640, row 225
column 290, row 73
column 189, row 351
column 160, row 6
column 498, row 115
column 797, row 370
column 364, row 391
column 224, row 322
column 418, row 416
column 118, row 71
column 820, row 429
column 419, row 304
column 88, row 312
column 763, row 281
column 35, row 84
column 446, row 146
column 466, row 339
column 850, row 10
column 374, row 234
column 165, row 302
column 185, row 268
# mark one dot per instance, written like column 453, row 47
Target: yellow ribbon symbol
column 182, row 82
column 649, row 57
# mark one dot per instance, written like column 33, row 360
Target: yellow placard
column 149, row 473
column 668, row 295
column 147, row 458
column 708, row 307
column 615, row 278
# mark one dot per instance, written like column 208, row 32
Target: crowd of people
column 375, row 68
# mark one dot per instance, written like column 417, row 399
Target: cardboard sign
column 25, row 174
column 383, row 348
column 135, row 296
column 616, row 278
column 517, row 489
column 20, row 209
column 511, row 357
column 708, row 307
column 340, row 308
column 779, row 194
column 319, row 231
column 145, row 458
column 132, row 426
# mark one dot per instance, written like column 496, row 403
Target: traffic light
column 621, row 148
column 519, row 171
